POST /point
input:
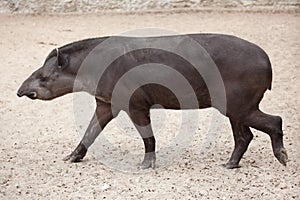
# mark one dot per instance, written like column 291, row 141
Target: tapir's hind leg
column 141, row 121
column 272, row 125
column 102, row 116
column 242, row 137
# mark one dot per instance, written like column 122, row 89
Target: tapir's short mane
column 76, row 46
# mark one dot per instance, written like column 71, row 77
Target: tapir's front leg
column 102, row 116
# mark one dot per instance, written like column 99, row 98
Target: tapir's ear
column 62, row 59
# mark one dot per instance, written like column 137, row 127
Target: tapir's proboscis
column 245, row 70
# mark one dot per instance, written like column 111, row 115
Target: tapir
column 191, row 71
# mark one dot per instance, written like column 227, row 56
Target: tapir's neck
column 82, row 64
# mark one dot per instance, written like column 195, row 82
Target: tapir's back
column 207, row 63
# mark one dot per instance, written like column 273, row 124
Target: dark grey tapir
column 177, row 72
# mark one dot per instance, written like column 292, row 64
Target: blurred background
column 95, row 6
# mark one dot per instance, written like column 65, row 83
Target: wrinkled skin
column 244, row 67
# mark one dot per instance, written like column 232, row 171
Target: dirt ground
column 36, row 135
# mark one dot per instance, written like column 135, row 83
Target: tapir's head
column 51, row 80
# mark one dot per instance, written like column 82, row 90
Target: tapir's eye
column 44, row 79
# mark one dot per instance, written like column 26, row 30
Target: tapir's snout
column 31, row 95
column 20, row 93
column 24, row 91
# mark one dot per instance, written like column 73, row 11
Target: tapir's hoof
column 77, row 154
column 230, row 165
column 149, row 161
column 146, row 164
column 73, row 158
column 282, row 156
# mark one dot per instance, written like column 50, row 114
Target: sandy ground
column 36, row 135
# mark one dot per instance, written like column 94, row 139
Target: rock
column 105, row 186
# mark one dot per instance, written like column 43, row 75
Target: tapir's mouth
column 32, row 95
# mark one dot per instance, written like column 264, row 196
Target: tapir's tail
column 271, row 76
column 270, row 71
